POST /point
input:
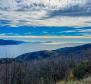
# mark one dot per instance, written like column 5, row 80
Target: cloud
column 44, row 31
column 65, row 37
column 3, row 34
column 39, row 4
column 32, row 19
column 49, row 40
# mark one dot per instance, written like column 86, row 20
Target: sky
column 44, row 24
column 44, row 31
column 45, row 12
column 39, row 4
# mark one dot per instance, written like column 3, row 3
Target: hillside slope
column 78, row 53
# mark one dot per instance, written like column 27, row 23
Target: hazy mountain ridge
column 10, row 42
column 78, row 53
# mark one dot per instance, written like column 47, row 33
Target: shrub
column 81, row 70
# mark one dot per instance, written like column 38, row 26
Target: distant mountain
column 10, row 42
column 78, row 53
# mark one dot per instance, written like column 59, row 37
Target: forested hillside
column 61, row 66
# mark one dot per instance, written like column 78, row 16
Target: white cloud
column 85, row 30
column 46, row 4
column 2, row 34
column 38, row 18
